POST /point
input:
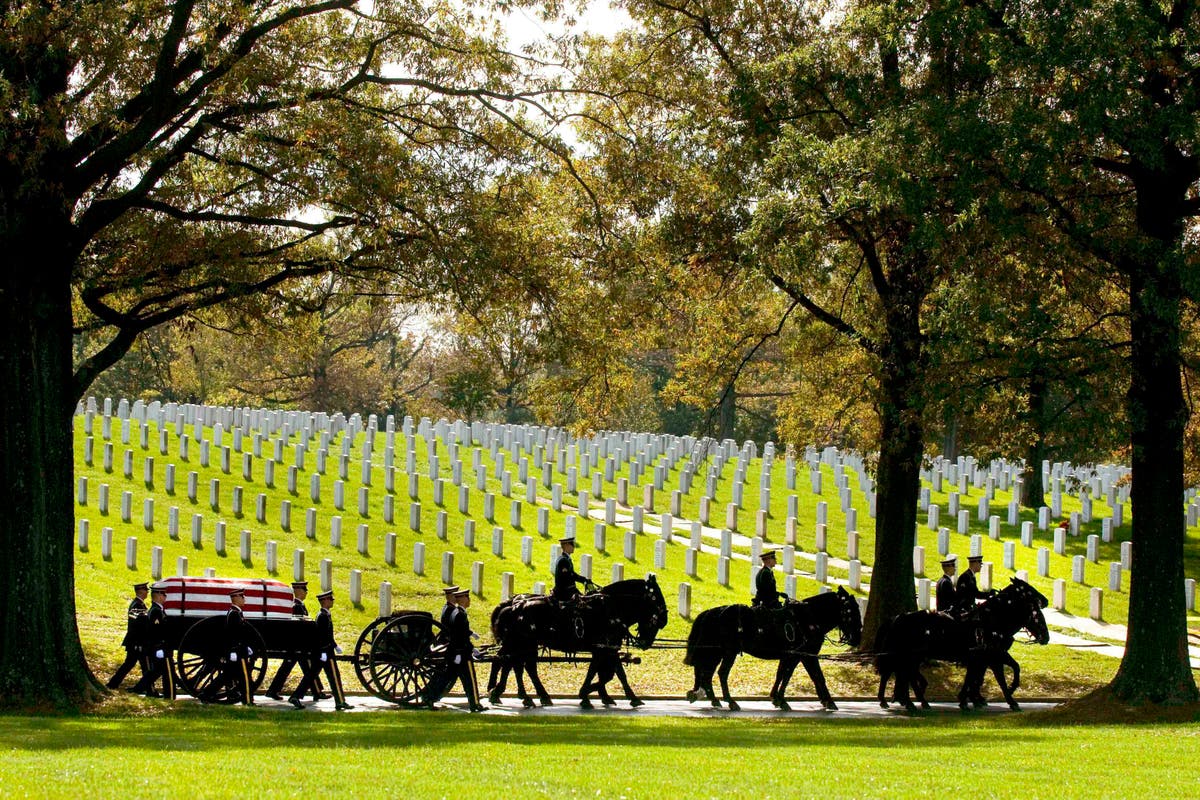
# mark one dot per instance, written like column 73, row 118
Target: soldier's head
column 975, row 563
column 300, row 589
column 568, row 544
column 950, row 566
column 141, row 590
column 449, row 591
column 462, row 598
column 238, row 597
column 768, row 559
column 158, row 594
column 326, row 599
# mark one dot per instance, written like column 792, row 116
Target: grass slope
column 102, row 584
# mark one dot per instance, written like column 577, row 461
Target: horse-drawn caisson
column 403, row 657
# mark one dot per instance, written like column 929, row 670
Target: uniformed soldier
column 946, row 597
column 157, row 652
column 766, row 593
column 323, row 658
column 461, row 650
column 967, row 590
column 565, row 576
column 134, row 641
column 299, row 593
column 237, row 671
column 448, row 608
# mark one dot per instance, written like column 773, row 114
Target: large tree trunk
column 1033, row 488
column 899, row 473
column 41, row 659
column 1155, row 667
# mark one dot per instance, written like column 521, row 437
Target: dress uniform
column 766, row 592
column 460, row 650
column 135, row 639
column 565, row 576
column 323, row 658
column 236, row 668
column 946, row 596
column 967, row 590
column 157, row 653
column 299, row 592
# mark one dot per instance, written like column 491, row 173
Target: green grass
column 102, row 585
column 238, row 753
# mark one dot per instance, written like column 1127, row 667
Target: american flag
column 209, row 597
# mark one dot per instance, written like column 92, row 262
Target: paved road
column 654, row 708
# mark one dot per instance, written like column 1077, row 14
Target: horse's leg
column 630, row 695
column 531, row 669
column 812, row 665
column 975, row 671
column 908, row 676
column 775, row 693
column 1006, row 688
column 783, row 677
column 885, row 672
column 497, row 680
column 586, row 688
column 604, row 674
column 693, row 694
column 723, row 673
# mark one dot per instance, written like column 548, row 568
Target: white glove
column 476, row 654
column 249, row 652
column 338, row 649
column 458, row 659
column 233, row 656
column 159, row 654
column 324, row 657
column 474, row 636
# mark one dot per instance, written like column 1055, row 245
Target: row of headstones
column 1104, row 480
column 1078, row 562
column 963, row 518
column 558, row 443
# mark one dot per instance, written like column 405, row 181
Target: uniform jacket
column 766, row 593
column 967, row 592
column 324, row 640
column 565, row 577
column 946, row 596
column 235, row 632
column 459, row 632
column 155, row 637
column 135, row 625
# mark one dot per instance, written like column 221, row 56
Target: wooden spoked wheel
column 362, row 653
column 202, row 664
column 404, row 658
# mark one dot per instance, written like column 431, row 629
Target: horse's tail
column 698, row 634
column 498, row 629
column 882, row 657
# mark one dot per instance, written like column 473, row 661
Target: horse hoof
column 924, row 705
column 782, row 705
column 964, row 705
column 883, row 704
column 546, row 701
column 637, row 701
column 494, row 698
column 733, row 706
column 830, row 706
column 909, row 707
column 1013, row 705
column 586, row 704
column 715, row 703
column 692, row 696
column 608, row 701
column 981, row 703
column 528, row 702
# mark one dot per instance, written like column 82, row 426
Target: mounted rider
column 967, row 590
column 766, row 592
column 565, row 576
column 946, row 596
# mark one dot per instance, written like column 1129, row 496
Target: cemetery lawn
column 238, row 752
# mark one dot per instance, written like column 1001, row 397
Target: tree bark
column 1033, row 489
column 728, row 414
column 41, row 658
column 899, row 474
column 1155, row 667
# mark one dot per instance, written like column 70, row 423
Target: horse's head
column 639, row 603
column 1030, row 594
column 849, row 618
column 1037, row 627
column 653, row 617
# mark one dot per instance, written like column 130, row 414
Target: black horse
column 980, row 641
column 599, row 623
column 791, row 635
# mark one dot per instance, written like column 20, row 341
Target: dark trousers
column 133, row 656
column 285, row 669
column 465, row 672
column 237, row 677
column 162, row 669
column 312, row 672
